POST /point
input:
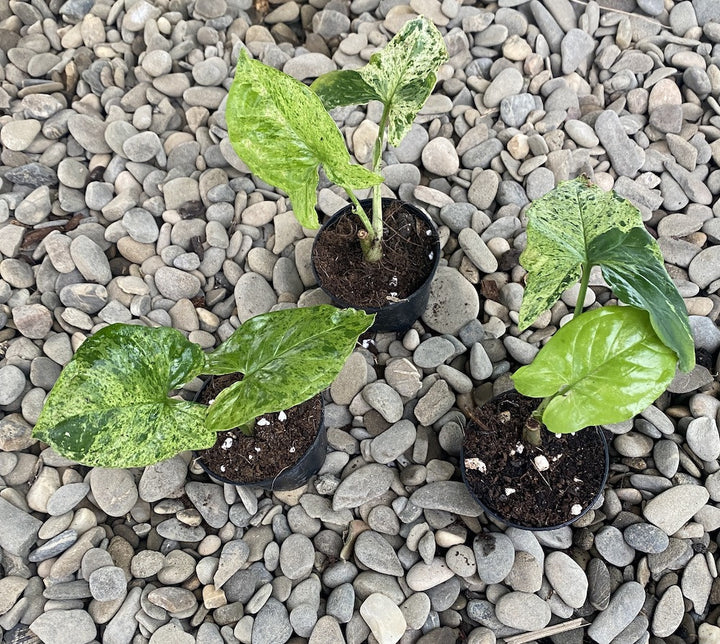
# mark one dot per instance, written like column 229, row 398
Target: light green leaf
column 561, row 226
column 110, row 405
column 402, row 76
column 646, row 285
column 285, row 357
column 282, row 132
column 604, row 366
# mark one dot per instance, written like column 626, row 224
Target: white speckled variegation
column 402, row 76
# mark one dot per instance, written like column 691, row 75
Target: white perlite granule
column 475, row 464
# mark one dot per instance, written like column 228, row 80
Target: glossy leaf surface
column 647, row 285
column 605, row 366
column 401, row 76
column 285, row 357
column 561, row 226
column 110, row 405
column 282, row 132
column 343, row 87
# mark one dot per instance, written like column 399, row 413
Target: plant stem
column 375, row 253
column 583, row 289
column 377, row 149
column 531, row 430
column 360, row 211
column 372, row 250
column 369, row 242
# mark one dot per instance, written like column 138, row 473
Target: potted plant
column 282, row 131
column 524, row 458
column 111, row 405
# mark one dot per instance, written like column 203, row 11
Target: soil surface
column 279, row 439
column 512, row 487
column 405, row 265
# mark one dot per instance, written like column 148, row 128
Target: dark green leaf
column 603, row 367
column 343, row 87
column 282, row 132
column 285, row 357
column 561, row 225
column 638, row 277
column 402, row 76
column 110, row 405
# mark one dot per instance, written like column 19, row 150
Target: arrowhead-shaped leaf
column 605, row 365
column 110, row 405
column 561, row 226
column 635, row 274
column 282, row 132
column 285, row 357
column 402, row 76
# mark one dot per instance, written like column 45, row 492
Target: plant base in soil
column 405, row 265
column 511, row 486
column 274, row 446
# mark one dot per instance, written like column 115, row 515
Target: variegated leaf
column 402, row 76
column 285, row 357
column 561, row 225
column 282, row 132
column 110, row 405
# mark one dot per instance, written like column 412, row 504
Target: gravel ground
column 121, row 200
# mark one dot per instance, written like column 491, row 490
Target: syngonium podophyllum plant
column 111, row 405
column 610, row 363
column 282, row 131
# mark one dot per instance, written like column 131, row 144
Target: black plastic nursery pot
column 289, row 479
column 415, row 240
column 294, row 475
column 502, row 475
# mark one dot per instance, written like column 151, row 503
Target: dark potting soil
column 405, row 265
column 274, row 446
column 540, row 499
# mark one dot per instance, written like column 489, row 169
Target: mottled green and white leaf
column 110, row 405
column 401, row 75
column 603, row 367
column 635, row 274
column 282, row 132
column 285, row 357
column 561, row 226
